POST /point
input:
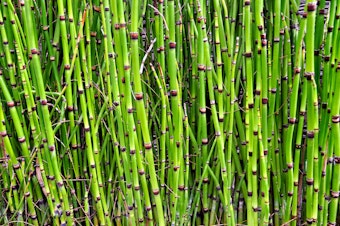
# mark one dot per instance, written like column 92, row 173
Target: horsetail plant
column 169, row 112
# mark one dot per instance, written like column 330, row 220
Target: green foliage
column 167, row 112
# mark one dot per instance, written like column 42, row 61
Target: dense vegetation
column 164, row 112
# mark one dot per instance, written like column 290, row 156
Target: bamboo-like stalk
column 293, row 118
column 312, row 115
column 250, row 120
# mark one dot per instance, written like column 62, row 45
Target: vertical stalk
column 312, row 115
